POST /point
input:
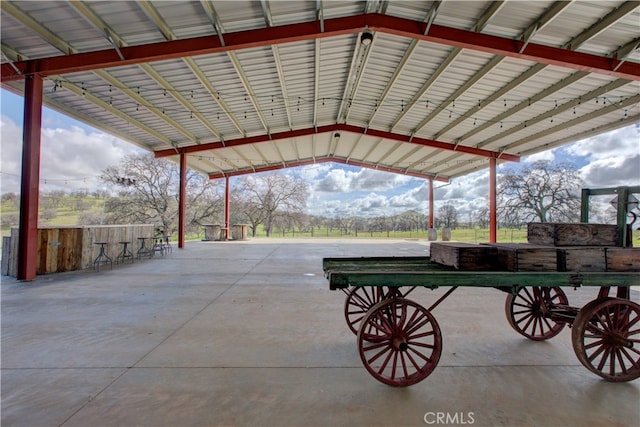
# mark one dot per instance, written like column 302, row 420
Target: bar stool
column 102, row 257
column 167, row 243
column 158, row 246
column 143, row 250
column 125, row 253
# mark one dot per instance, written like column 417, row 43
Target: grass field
column 462, row 235
column 68, row 214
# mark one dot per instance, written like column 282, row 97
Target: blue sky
column 74, row 154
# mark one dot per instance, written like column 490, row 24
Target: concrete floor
column 248, row 334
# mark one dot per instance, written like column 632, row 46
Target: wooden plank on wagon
column 569, row 234
column 623, row 259
column 525, row 257
column 582, row 258
column 464, row 256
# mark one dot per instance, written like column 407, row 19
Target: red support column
column 29, row 189
column 430, row 202
column 182, row 199
column 493, row 205
column 227, row 194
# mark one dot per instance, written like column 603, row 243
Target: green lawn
column 463, row 235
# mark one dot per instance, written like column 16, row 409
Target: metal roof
column 246, row 86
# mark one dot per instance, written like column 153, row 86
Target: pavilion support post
column 430, row 202
column 29, row 187
column 182, row 199
column 493, row 205
column 227, row 200
column 432, row 233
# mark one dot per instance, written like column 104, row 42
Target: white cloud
column 464, row 187
column 336, row 181
column 70, row 159
column 612, row 172
column 310, row 173
column 620, row 142
column 341, row 179
column 548, row 155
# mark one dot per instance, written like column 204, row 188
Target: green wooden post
column 623, row 200
column 584, row 205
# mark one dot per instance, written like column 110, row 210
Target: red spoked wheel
column 360, row 299
column 408, row 342
column 606, row 338
column 528, row 312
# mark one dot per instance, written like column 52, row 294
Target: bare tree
column 542, row 191
column 148, row 193
column 272, row 195
column 482, row 217
column 447, row 216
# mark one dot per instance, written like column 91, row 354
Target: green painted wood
column 369, row 272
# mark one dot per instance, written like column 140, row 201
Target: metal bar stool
column 158, row 245
column 102, row 257
column 167, row 244
column 125, row 253
column 143, row 250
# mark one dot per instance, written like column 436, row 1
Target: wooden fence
column 73, row 248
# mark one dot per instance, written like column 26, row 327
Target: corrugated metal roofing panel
column 576, row 18
column 284, row 13
column 616, row 36
column 23, row 40
column 461, row 14
column 514, row 17
column 239, row 15
column 415, row 10
column 129, row 21
column 334, row 9
column 335, row 57
column 245, row 79
column 185, row 18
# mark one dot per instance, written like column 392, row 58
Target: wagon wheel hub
column 400, row 343
column 618, row 340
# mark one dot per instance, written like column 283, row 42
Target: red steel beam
column 388, row 169
column 440, row 34
column 227, row 210
column 431, row 143
column 182, row 202
column 493, row 205
column 340, row 128
column 268, row 168
column 430, row 203
column 29, row 189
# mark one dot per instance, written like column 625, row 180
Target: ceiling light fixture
column 366, row 38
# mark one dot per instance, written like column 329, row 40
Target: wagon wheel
column 527, row 312
column 360, row 299
column 408, row 344
column 606, row 338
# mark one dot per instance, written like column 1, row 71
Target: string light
column 371, row 102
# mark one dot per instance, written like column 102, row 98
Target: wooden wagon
column 400, row 342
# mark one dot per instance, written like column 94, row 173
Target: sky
column 73, row 155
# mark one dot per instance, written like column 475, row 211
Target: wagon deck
column 421, row 271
